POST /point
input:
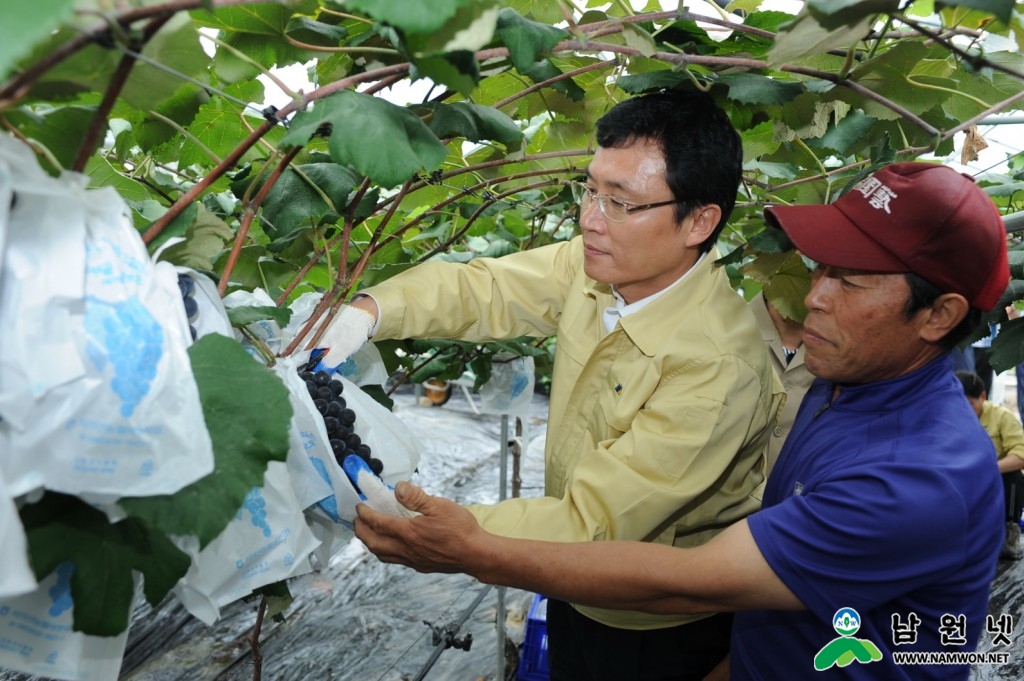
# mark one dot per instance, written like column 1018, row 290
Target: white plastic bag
column 16, row 577
column 509, row 390
column 37, row 636
column 268, row 541
column 96, row 389
column 267, row 330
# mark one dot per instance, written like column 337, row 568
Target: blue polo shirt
column 885, row 502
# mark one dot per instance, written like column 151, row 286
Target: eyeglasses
column 611, row 208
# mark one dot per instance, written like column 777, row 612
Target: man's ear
column 705, row 219
column 945, row 313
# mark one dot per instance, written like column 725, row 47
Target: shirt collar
column 621, row 308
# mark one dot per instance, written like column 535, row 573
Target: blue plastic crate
column 533, row 662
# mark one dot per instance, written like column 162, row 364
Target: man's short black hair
column 703, row 151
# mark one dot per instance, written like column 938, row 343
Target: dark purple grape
column 338, row 418
column 193, row 332
column 186, row 286
column 191, row 308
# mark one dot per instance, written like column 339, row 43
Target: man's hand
column 348, row 331
column 443, row 538
column 371, row 489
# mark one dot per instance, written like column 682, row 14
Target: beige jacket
column 657, row 430
column 796, row 377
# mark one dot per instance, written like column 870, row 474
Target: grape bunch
column 187, row 287
column 339, row 418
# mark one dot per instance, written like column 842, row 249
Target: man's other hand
column 347, row 332
column 443, row 538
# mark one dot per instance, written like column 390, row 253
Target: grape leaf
column 1005, row 352
column 254, row 313
column 526, row 40
column 750, row 88
column 299, row 199
column 412, row 16
column 205, row 238
column 248, row 415
column 62, row 528
column 383, row 141
column 26, row 23
column 474, row 122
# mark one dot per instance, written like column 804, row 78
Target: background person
column 885, row 497
column 1008, row 438
column 783, row 339
column 662, row 396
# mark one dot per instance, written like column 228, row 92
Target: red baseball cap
column 909, row 217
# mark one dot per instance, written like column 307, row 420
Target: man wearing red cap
column 880, row 526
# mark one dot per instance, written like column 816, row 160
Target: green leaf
column 26, row 23
column 176, row 48
column 458, row 70
column 102, row 174
column 1008, row 345
column 242, row 316
column 471, row 28
column 474, row 122
column 759, row 141
column 304, row 195
column 806, row 36
column 889, row 75
column 848, row 134
column 652, row 80
column 411, row 16
column 545, row 70
column 314, row 32
column 63, row 529
column 216, row 130
column 61, row 131
column 205, row 238
column 639, row 39
column 526, row 40
column 1002, row 9
column 788, row 286
column 176, row 228
column 248, row 415
column 266, row 19
column 750, row 88
column 835, row 14
column 383, row 141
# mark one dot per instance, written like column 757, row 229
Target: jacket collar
column 651, row 326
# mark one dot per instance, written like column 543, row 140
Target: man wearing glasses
column 662, row 395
